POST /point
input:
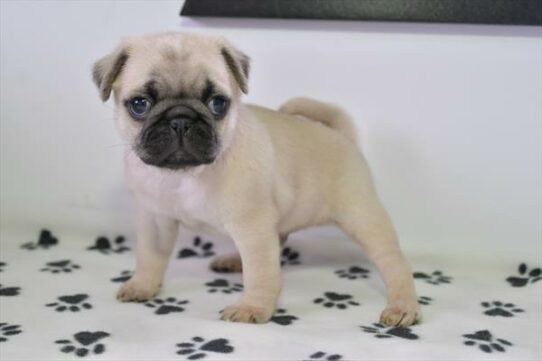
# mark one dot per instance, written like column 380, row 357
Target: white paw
column 245, row 313
column 136, row 290
column 402, row 314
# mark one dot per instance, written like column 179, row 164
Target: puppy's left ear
column 238, row 63
column 107, row 69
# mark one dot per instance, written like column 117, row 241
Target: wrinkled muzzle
column 179, row 136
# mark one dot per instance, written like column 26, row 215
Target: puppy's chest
column 183, row 198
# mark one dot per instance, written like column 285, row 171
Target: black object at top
column 516, row 12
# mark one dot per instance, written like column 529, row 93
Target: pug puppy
column 200, row 158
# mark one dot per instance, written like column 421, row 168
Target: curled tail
column 327, row 114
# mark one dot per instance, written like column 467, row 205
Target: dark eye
column 139, row 107
column 218, row 105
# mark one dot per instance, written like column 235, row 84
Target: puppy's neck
column 139, row 168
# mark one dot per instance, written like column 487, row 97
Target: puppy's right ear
column 106, row 70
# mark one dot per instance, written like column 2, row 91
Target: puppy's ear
column 106, row 70
column 238, row 63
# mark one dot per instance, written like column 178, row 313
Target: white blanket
column 57, row 302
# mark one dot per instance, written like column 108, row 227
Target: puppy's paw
column 138, row 291
column 246, row 313
column 228, row 263
column 402, row 314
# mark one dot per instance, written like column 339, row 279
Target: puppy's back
column 313, row 160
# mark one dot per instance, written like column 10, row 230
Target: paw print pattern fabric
column 167, row 306
column 57, row 302
column 336, row 300
column 71, row 303
column 198, row 249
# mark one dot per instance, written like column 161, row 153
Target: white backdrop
column 449, row 115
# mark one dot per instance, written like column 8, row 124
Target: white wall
column 450, row 115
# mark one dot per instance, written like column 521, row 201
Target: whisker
column 118, row 145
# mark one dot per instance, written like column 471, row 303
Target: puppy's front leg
column 259, row 247
column 156, row 236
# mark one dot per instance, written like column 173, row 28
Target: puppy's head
column 176, row 94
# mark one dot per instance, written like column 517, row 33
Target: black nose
column 179, row 125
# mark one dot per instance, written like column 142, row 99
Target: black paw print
column 200, row 249
column 74, row 303
column 353, row 273
column 7, row 330
column 169, row 305
column 332, row 299
column 435, row 278
column 2, row 265
column 424, row 300
column 64, row 266
column 485, row 341
column 198, row 347
column 103, row 245
column 325, row 357
column 224, row 286
column 289, row 257
column 9, row 291
column 45, row 240
column 81, row 345
column 382, row 331
column 525, row 276
column 123, row 277
column 497, row 308
column 282, row 318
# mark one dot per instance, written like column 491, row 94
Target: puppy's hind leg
column 368, row 223
column 227, row 263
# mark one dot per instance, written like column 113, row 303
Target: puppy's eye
column 139, row 107
column 218, row 105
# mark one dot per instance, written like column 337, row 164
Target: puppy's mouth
column 178, row 141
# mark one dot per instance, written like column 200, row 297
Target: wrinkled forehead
column 176, row 69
